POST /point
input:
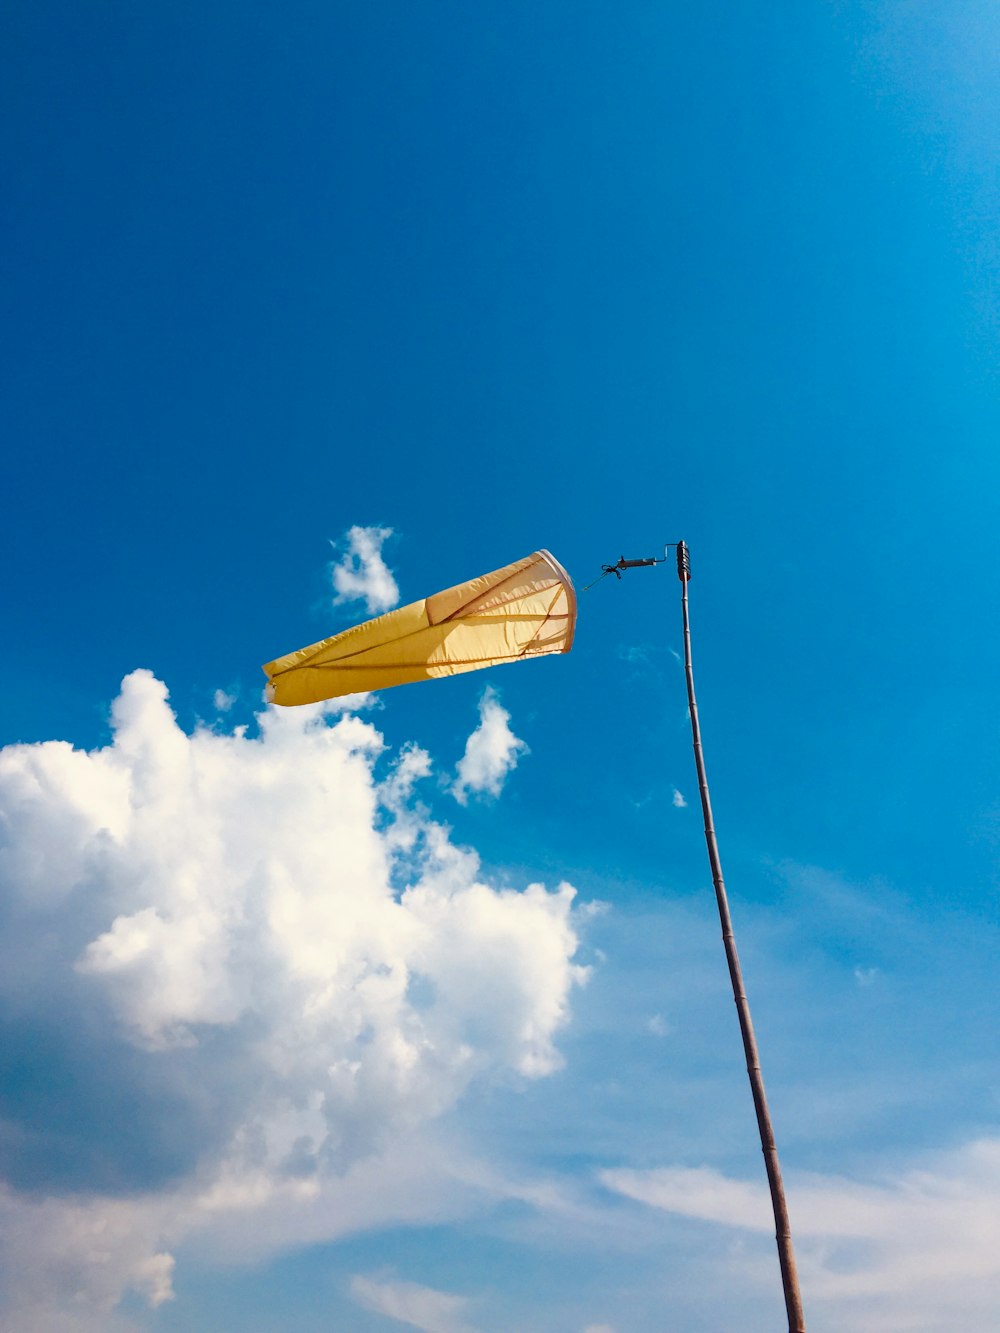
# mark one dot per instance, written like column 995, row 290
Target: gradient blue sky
column 592, row 277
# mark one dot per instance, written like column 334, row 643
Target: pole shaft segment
column 783, row 1233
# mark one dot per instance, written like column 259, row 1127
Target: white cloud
column 918, row 1251
column 258, row 970
column 223, row 701
column 413, row 1305
column 679, row 801
column 362, row 574
column 698, row 1192
column 67, row 1262
column 491, row 752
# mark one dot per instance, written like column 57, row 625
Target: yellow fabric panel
column 527, row 609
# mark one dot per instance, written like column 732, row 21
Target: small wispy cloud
column 657, row 1025
column 694, row 1192
column 223, row 701
column 491, row 752
column 361, row 574
column 411, row 1304
column 634, row 654
column 678, row 800
column 865, row 976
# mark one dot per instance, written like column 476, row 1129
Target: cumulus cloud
column 411, row 1304
column 361, row 574
column 678, row 800
column 916, row 1251
column 237, row 975
column 491, row 752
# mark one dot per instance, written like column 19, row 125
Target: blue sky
column 494, row 277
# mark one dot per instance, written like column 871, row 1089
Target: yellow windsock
column 527, row 609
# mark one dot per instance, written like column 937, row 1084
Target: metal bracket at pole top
column 683, row 563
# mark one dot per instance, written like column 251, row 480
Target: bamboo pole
column 783, row 1233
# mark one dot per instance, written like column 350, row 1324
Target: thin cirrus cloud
column 204, row 949
column 361, row 573
column 917, row 1250
column 413, row 1305
column 491, row 752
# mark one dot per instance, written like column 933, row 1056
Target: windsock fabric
column 527, row 609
